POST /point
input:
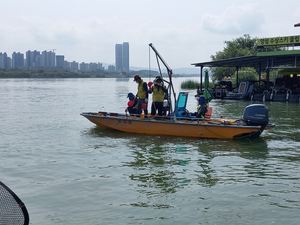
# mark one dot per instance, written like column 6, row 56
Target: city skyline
column 46, row 59
column 17, row 60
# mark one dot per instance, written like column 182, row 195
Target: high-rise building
column 17, row 60
column 122, row 57
column 125, row 58
column 95, row 67
column 119, row 55
column 111, row 68
column 84, row 66
column 74, row 66
column 32, row 59
column 47, row 59
column 67, row 65
column 3, row 60
column 8, row 63
column 60, row 60
column 92, row 66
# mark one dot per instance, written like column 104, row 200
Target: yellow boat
column 183, row 128
column 179, row 122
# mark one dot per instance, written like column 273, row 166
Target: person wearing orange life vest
column 158, row 89
column 142, row 95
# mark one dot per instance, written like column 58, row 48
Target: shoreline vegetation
column 18, row 73
column 40, row 73
column 191, row 84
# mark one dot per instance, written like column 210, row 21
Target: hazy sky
column 183, row 31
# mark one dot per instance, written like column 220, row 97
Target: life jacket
column 158, row 95
column 202, row 103
column 199, row 108
column 141, row 91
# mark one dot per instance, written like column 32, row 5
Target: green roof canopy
column 267, row 61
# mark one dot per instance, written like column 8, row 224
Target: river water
column 68, row 171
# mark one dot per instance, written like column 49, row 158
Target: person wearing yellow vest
column 158, row 89
column 142, row 95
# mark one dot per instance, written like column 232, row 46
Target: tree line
column 241, row 46
column 39, row 73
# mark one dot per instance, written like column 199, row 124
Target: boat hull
column 170, row 127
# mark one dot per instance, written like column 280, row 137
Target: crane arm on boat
column 158, row 56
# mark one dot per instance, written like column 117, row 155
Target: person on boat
column 202, row 108
column 159, row 90
column 132, row 104
column 142, row 95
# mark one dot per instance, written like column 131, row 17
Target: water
column 68, row 171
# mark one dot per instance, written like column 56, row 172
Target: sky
column 183, row 31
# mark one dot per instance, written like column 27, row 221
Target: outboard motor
column 256, row 115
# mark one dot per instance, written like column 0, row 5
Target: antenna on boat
column 158, row 56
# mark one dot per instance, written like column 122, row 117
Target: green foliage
column 246, row 75
column 189, row 84
column 238, row 47
column 218, row 73
column 18, row 73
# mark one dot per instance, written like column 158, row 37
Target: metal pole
column 201, row 79
column 237, row 76
column 259, row 75
column 268, row 74
column 268, row 78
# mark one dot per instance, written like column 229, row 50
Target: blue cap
column 202, row 100
column 131, row 96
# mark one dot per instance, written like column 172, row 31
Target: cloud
column 236, row 19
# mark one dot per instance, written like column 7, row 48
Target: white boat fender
column 271, row 96
column 264, row 95
column 287, row 94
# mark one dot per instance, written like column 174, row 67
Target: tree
column 238, row 47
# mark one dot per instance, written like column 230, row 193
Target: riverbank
column 18, row 73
